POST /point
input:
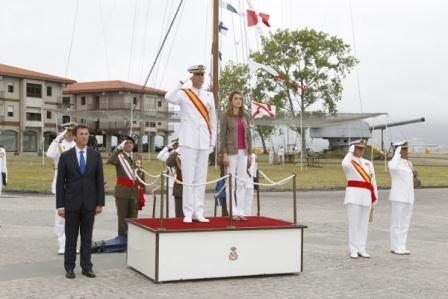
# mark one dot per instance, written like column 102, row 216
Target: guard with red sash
column 360, row 196
column 129, row 192
column 197, row 138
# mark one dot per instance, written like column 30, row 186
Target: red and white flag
column 260, row 109
column 254, row 66
column 253, row 17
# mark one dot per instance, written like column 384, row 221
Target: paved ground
column 30, row 268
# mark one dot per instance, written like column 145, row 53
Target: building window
column 65, row 119
column 134, row 100
column 33, row 90
column 29, row 141
column 83, row 101
column 97, row 98
column 152, row 125
column 8, row 139
column 49, row 91
column 159, row 123
column 147, row 124
column 66, row 101
column 159, row 104
column 10, row 111
column 10, row 87
column 48, row 114
column 33, row 116
column 150, row 103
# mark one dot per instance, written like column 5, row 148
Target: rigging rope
column 167, row 58
column 104, row 40
column 355, row 53
column 132, row 38
column 72, row 38
column 163, row 43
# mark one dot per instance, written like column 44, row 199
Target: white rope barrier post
column 231, row 202
column 161, row 199
column 258, row 193
column 294, row 197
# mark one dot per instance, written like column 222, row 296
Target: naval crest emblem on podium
column 233, row 255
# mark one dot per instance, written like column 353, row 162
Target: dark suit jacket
column 75, row 191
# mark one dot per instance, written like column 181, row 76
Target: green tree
column 315, row 60
column 236, row 76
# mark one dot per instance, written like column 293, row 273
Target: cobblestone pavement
column 30, row 268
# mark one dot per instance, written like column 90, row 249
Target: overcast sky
column 402, row 46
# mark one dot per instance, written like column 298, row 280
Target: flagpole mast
column 215, row 52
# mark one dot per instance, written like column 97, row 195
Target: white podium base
column 259, row 246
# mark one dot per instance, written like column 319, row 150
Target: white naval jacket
column 355, row 195
column 54, row 152
column 194, row 131
column 402, row 189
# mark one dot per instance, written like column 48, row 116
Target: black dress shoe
column 88, row 273
column 70, row 274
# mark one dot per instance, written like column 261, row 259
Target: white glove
column 61, row 136
column 352, row 148
column 185, row 81
column 121, row 145
column 170, row 146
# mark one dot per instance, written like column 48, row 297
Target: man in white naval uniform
column 360, row 194
column 3, row 169
column 402, row 198
column 197, row 138
column 163, row 156
column 63, row 142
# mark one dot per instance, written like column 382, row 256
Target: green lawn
column 28, row 173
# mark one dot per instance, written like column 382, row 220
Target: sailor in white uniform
column 3, row 169
column 197, row 139
column 63, row 142
column 163, row 156
column 360, row 194
column 402, row 198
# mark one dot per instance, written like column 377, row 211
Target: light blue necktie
column 82, row 162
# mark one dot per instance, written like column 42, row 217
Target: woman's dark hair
column 230, row 107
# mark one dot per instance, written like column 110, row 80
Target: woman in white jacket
column 402, row 198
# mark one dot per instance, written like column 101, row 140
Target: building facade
column 118, row 96
column 26, row 100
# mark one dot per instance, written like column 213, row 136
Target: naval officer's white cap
column 69, row 125
column 401, row 143
column 197, row 69
column 358, row 143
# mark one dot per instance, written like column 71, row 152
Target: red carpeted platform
column 216, row 223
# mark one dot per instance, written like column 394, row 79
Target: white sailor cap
column 358, row 143
column 197, row 69
column 403, row 144
column 69, row 125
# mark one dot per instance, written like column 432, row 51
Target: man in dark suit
column 79, row 197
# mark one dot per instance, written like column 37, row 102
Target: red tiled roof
column 7, row 70
column 116, row 85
